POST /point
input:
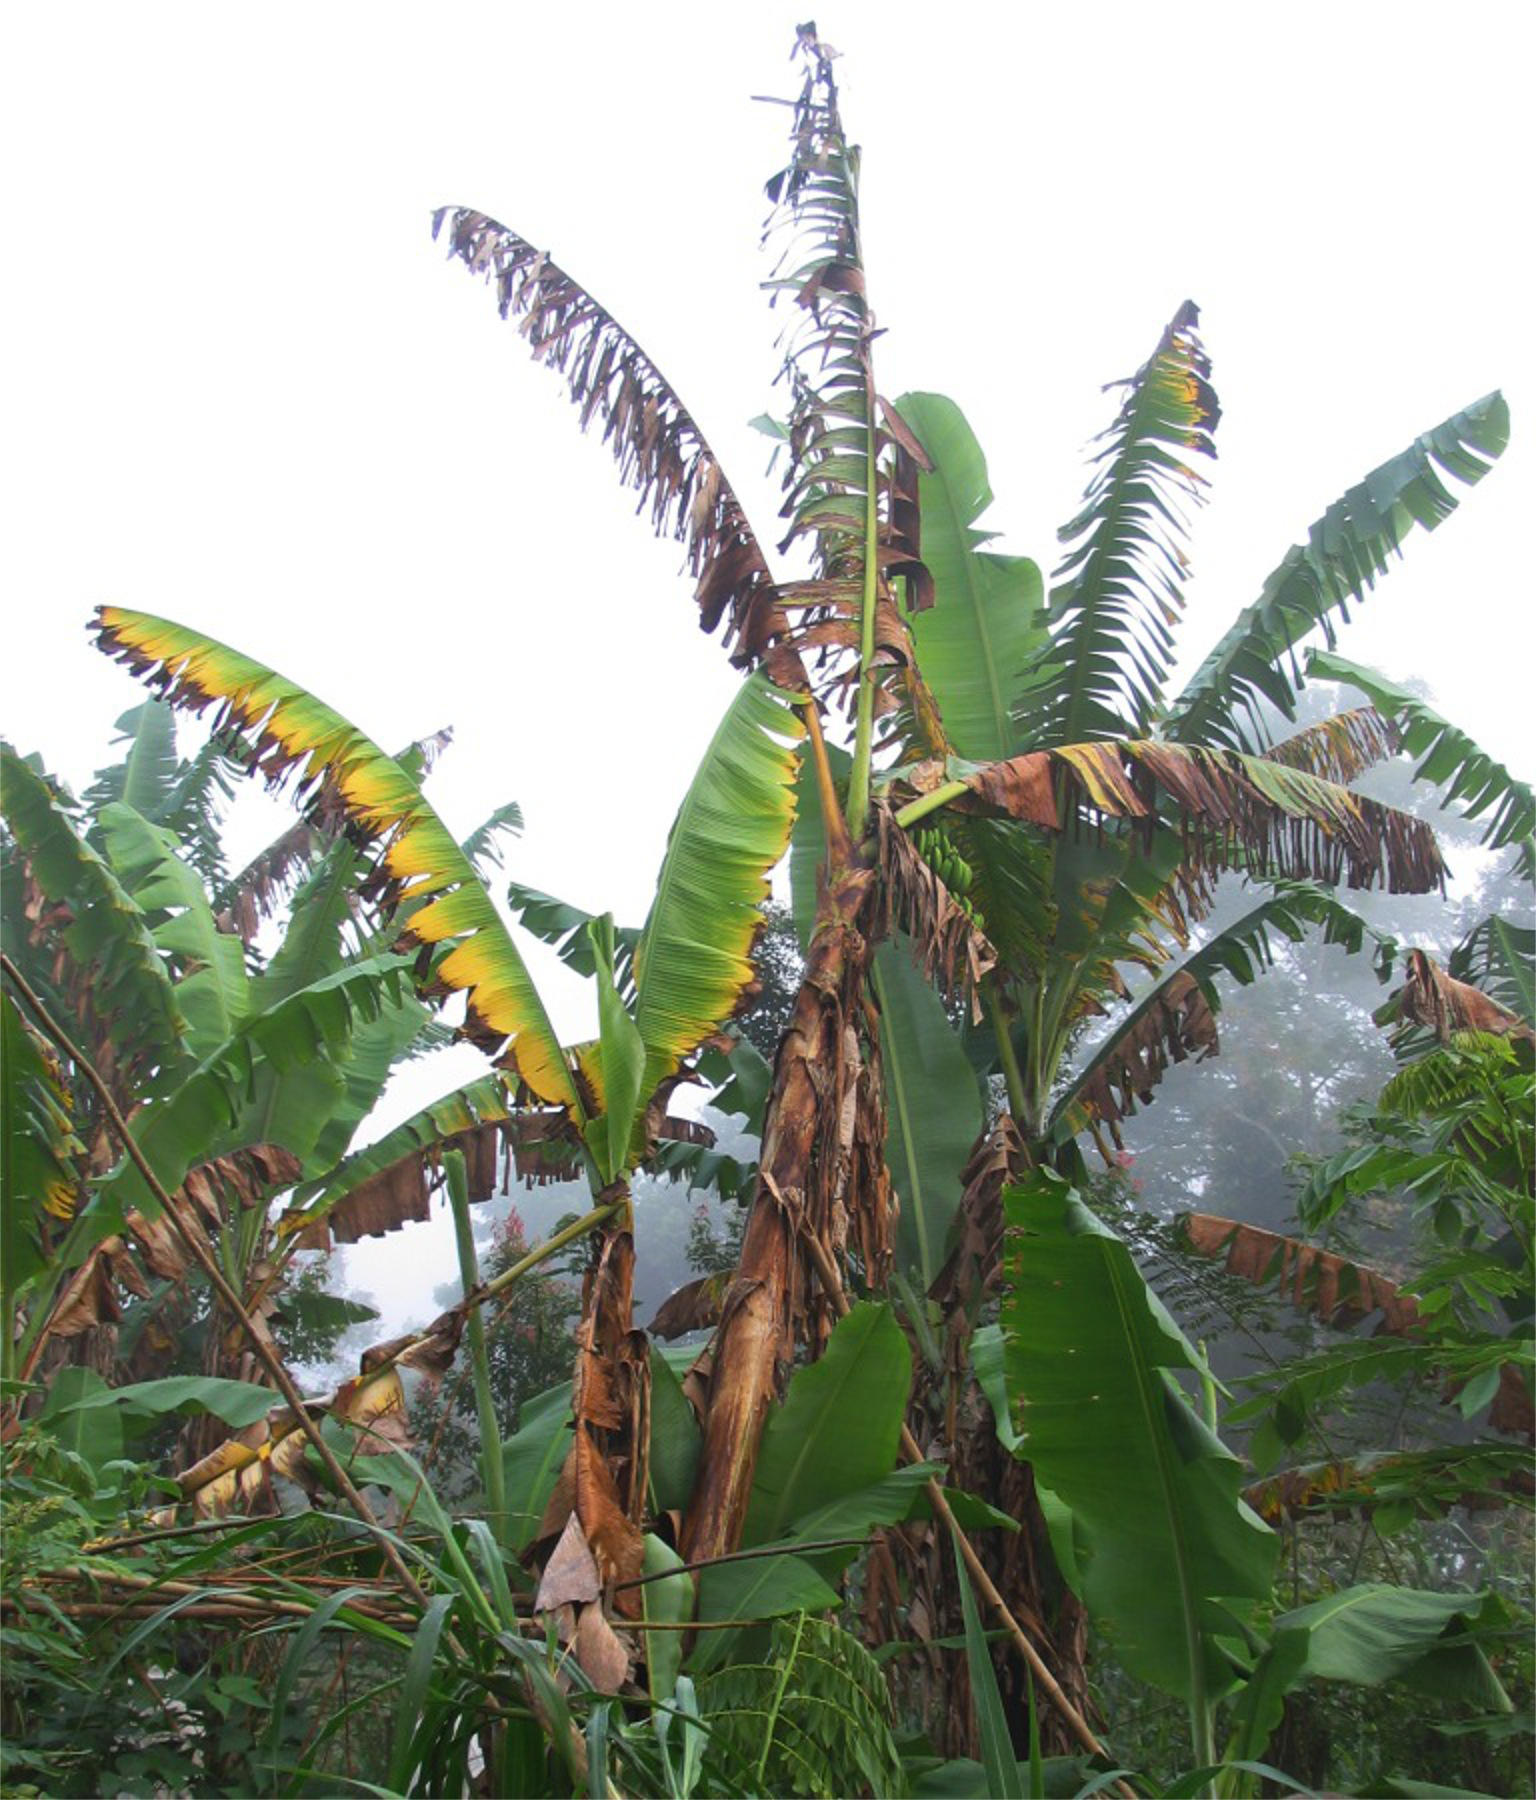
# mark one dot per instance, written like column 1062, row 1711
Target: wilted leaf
column 570, row 1576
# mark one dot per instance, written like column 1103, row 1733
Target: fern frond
column 815, row 1719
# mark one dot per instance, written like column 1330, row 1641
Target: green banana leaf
column 825, row 1469
column 1168, row 1551
column 279, row 1102
column 1370, row 1635
column 839, row 1426
column 204, row 1116
column 237, row 1403
column 981, row 641
column 693, row 961
column 147, row 776
column 1243, row 951
column 78, row 1414
column 483, row 845
column 315, row 945
column 564, row 927
column 1447, row 756
column 188, row 798
column 108, row 939
column 623, row 1052
column 211, row 989
column 753, row 1589
column 808, row 841
column 531, row 1460
column 675, row 1435
column 934, row 1110
column 315, row 938
column 1347, row 549
column 42, row 1158
column 667, row 1599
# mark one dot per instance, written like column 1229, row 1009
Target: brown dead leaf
column 605, row 1657
column 87, row 1297
column 1317, row 831
column 1346, row 1487
column 1340, row 1292
column 1436, row 1000
column 947, row 943
column 1340, row 748
column 586, row 1488
column 1022, row 788
column 1126, row 1070
column 695, row 1306
column 570, row 1576
column 659, row 449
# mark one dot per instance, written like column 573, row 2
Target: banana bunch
column 951, row 868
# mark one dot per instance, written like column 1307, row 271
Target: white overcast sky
column 244, row 389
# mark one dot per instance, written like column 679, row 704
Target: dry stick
column 1081, row 1729
column 205, row 1259
column 228, row 1594
column 144, row 1609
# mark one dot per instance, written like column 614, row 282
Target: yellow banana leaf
column 342, row 769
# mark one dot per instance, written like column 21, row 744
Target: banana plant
column 690, row 966
column 238, row 1080
column 1023, row 801
column 1095, row 908
column 849, row 508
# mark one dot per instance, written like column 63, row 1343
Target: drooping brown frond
column 255, row 894
column 1121, row 1076
column 151, row 1248
column 971, row 1273
column 660, row 451
column 237, row 1475
column 1340, row 1292
column 1340, row 748
column 1237, row 811
column 402, row 1193
column 695, row 1306
column 946, row 936
column 1440, row 1003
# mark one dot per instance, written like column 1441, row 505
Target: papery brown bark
column 822, row 1170
column 603, row 1482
